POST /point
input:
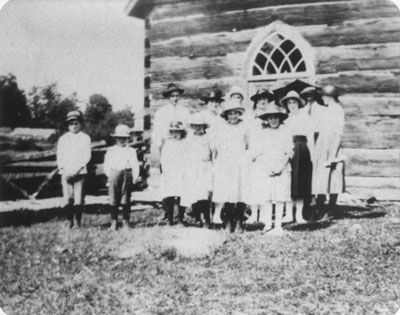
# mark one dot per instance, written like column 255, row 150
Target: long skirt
column 301, row 169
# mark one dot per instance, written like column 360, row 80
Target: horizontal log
column 372, row 163
column 323, row 13
column 329, row 60
column 372, row 104
column 357, row 57
column 373, row 132
column 373, row 182
column 356, row 32
column 176, row 9
column 363, row 81
column 186, row 68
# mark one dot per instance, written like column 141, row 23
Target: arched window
column 279, row 52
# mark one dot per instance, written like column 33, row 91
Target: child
column 230, row 148
column 273, row 152
column 198, row 178
column 122, row 169
column 173, row 163
column 300, row 126
column 254, row 197
column 73, row 154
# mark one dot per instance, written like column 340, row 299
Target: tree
column 48, row 107
column 13, row 108
column 100, row 120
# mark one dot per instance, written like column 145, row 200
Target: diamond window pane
column 261, row 61
column 287, row 46
column 277, row 58
column 267, row 48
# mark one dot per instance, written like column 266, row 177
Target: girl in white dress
column 253, row 197
column 198, row 177
column 173, row 162
column 230, row 147
column 273, row 153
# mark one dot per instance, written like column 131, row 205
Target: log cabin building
column 353, row 44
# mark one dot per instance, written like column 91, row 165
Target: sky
column 85, row 46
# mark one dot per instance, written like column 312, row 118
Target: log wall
column 202, row 45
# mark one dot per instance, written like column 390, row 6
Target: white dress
column 274, row 148
column 325, row 179
column 230, row 144
column 197, row 178
column 252, row 173
column 173, row 164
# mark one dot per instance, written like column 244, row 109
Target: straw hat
column 176, row 125
column 232, row 105
column 292, row 95
column 172, row 87
column 272, row 109
column 215, row 95
column 74, row 115
column 235, row 90
column 198, row 119
column 122, row 131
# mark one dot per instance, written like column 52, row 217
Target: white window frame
column 289, row 32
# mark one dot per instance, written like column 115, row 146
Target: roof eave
column 139, row 8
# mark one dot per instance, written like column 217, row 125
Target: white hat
column 122, row 131
column 272, row 109
column 294, row 95
column 232, row 105
column 198, row 119
column 235, row 90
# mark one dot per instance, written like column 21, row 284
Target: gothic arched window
column 279, row 52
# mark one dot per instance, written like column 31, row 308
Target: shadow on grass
column 29, row 217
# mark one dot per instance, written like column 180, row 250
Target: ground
column 349, row 265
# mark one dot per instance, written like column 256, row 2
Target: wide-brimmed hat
column 176, row 125
column 172, row 87
column 74, row 115
column 232, row 105
column 235, row 90
column 309, row 90
column 122, row 131
column 292, row 95
column 272, row 109
column 262, row 93
column 215, row 95
column 198, row 119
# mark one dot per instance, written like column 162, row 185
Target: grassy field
column 350, row 265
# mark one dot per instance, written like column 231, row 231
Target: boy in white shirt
column 122, row 169
column 73, row 154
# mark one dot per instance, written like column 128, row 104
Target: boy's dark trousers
column 202, row 207
column 169, row 204
column 120, row 189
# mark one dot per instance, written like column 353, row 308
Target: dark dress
column 301, row 169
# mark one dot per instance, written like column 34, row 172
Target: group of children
column 224, row 163
column 224, row 160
